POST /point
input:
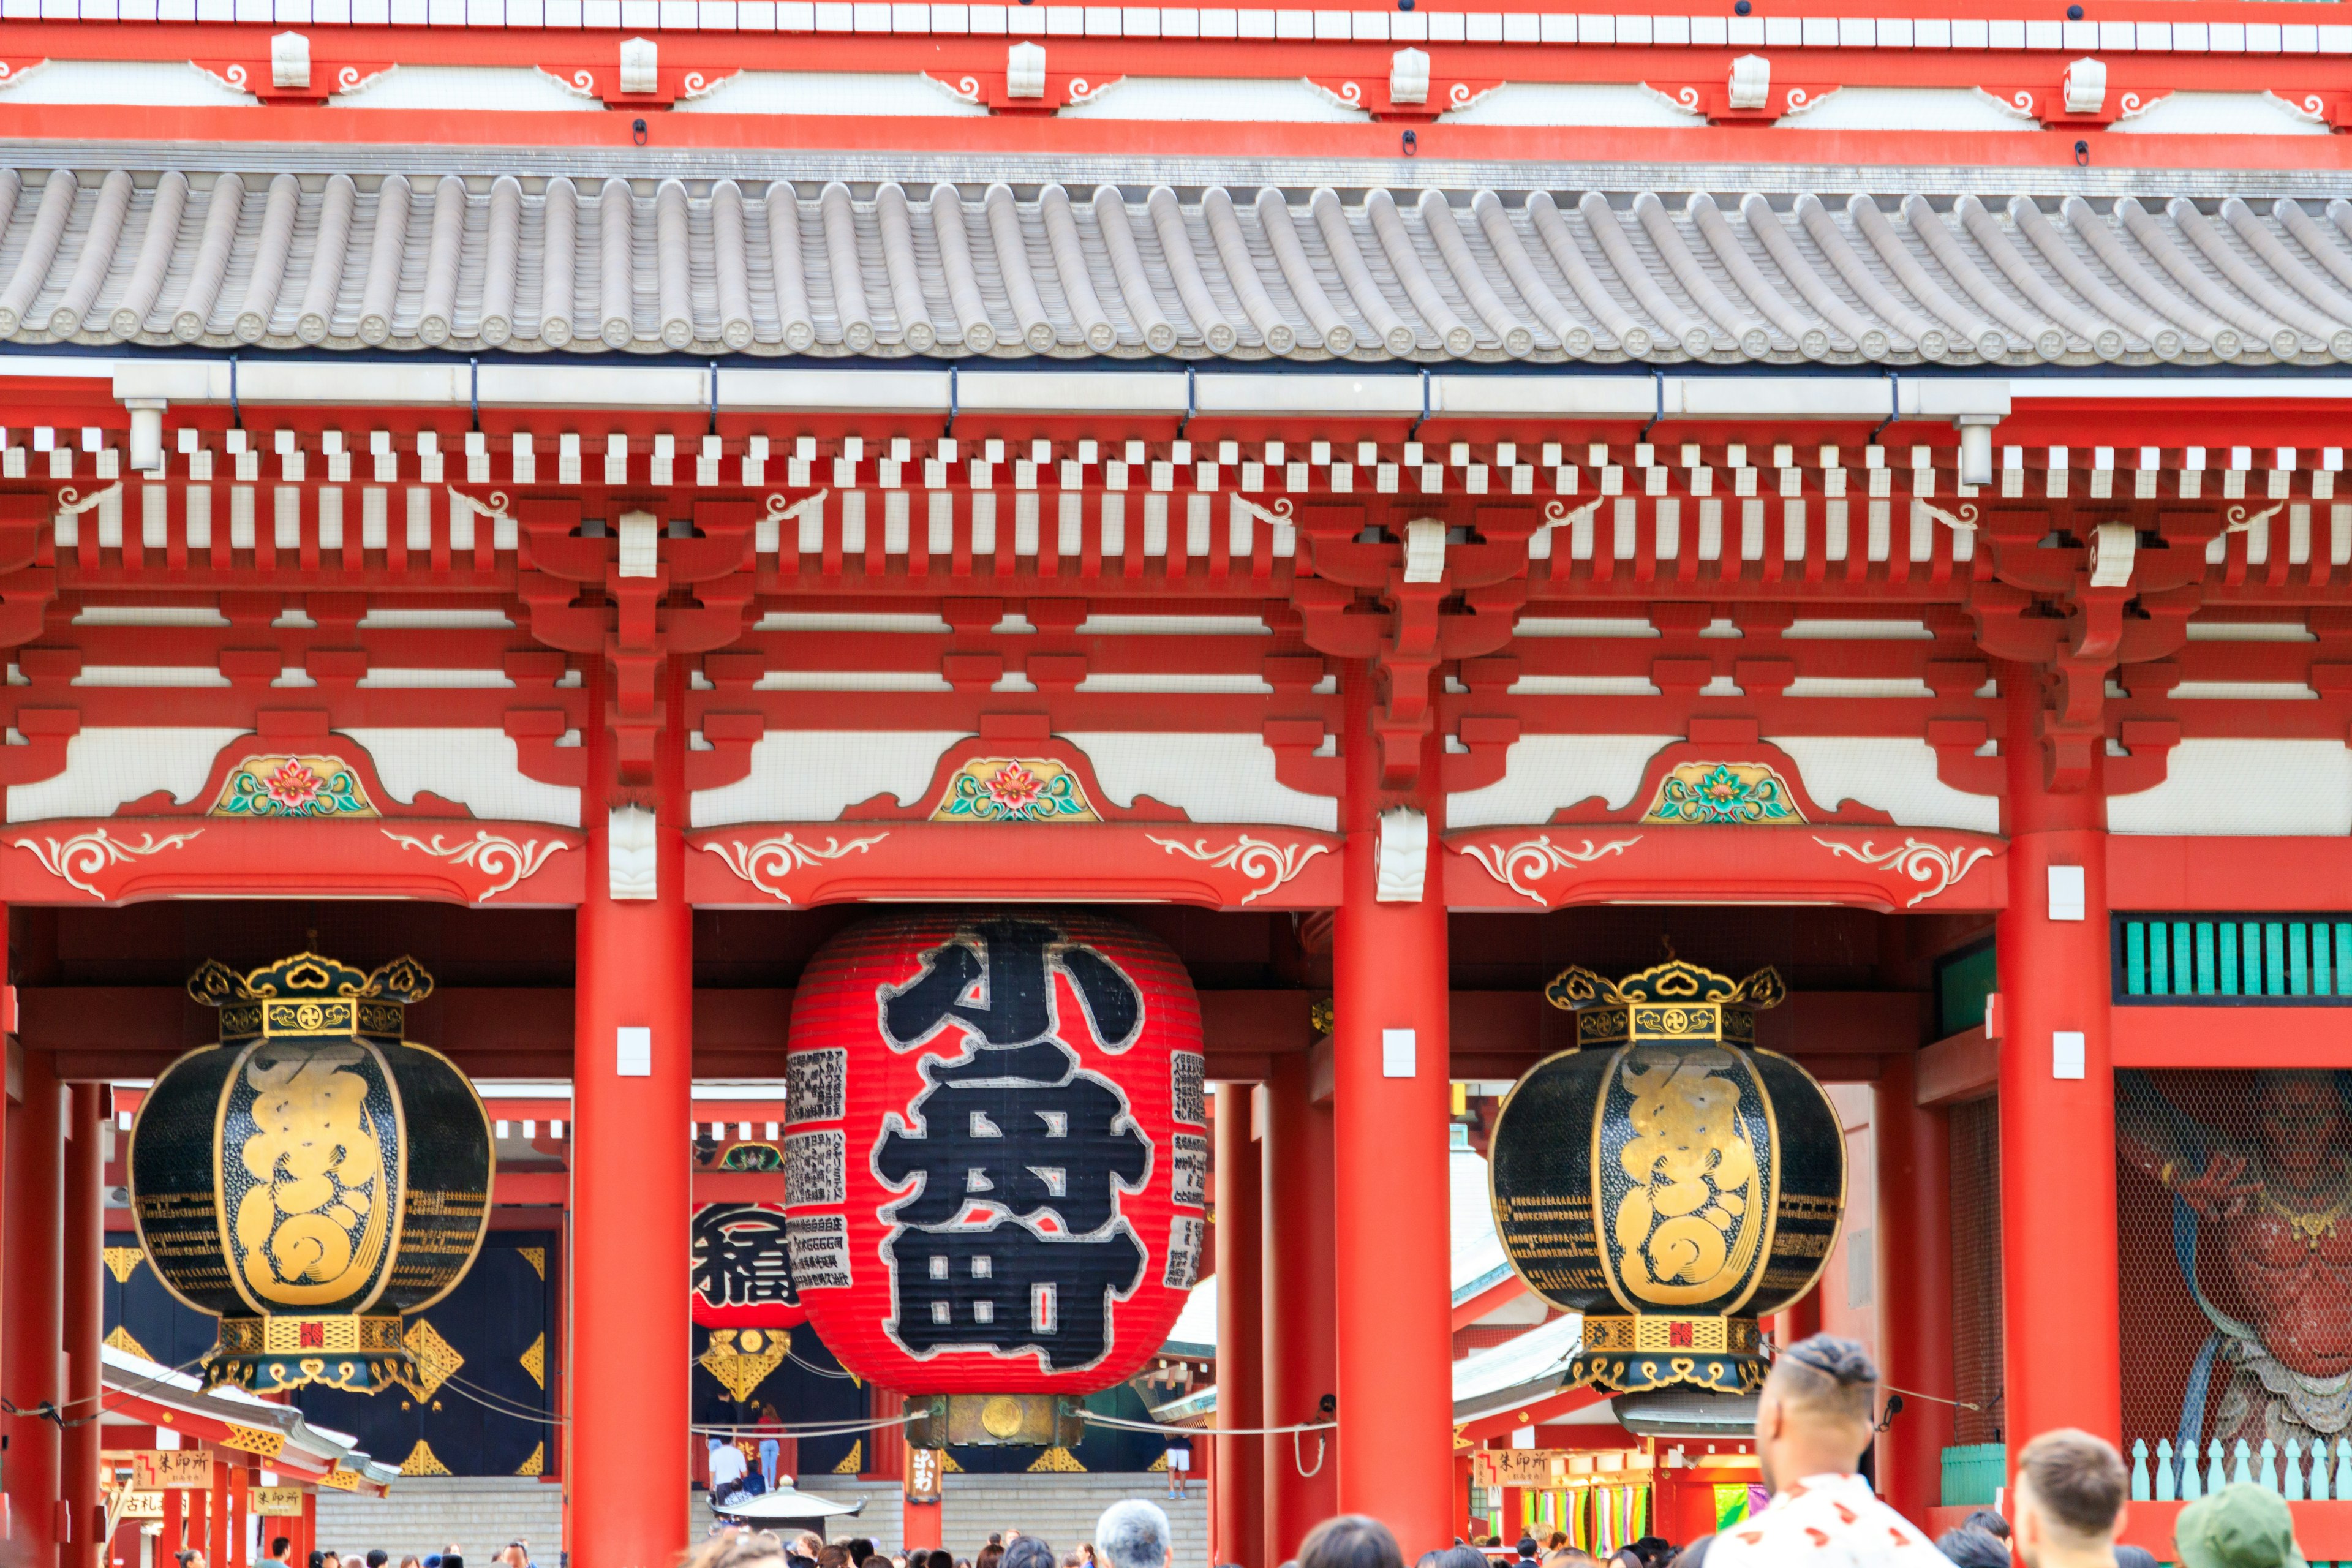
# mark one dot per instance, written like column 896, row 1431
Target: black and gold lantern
column 313, row 1175
column 1667, row 1178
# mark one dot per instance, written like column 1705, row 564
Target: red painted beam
column 2227, row 1038
column 2197, row 874
column 507, row 1031
column 1508, row 1288
column 1957, row 1069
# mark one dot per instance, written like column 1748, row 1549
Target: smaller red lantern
column 997, row 1164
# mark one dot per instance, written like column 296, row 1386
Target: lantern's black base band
column 1636, row 1373
column 267, row 1374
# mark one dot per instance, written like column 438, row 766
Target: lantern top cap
column 1674, row 1003
column 1577, row 987
column 313, row 995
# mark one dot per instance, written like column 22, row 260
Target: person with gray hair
column 1133, row 1533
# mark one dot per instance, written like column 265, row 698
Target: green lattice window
column 2225, row 959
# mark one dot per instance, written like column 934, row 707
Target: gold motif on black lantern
column 312, row 1176
column 1666, row 1179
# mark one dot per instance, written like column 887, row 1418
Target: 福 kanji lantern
column 997, row 1160
column 1667, row 1178
column 312, row 1176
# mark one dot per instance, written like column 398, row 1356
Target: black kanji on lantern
column 1014, row 1128
column 1010, row 1289
column 739, row 1257
column 1008, row 964
column 1025, row 1147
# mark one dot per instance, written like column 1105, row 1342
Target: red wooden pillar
column 85, row 1239
column 1240, row 1521
column 31, row 1341
column 1915, row 1284
column 216, row 1509
column 631, row 1092
column 2059, row 1291
column 305, row 1537
column 1391, row 1105
column 1299, row 1370
column 175, row 1534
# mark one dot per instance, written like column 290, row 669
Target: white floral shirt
column 1827, row 1520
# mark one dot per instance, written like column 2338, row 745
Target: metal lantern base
column 996, row 1420
column 1632, row 1353
column 365, row 1355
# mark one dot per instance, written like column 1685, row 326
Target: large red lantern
column 996, row 1166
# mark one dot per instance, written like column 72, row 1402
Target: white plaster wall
column 1891, row 773
column 811, row 775
column 1544, row 773
column 105, row 767
column 2246, row 788
column 1214, row 778
column 480, row 768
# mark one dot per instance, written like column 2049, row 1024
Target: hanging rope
column 803, row 1428
column 1298, row 1459
column 1125, row 1425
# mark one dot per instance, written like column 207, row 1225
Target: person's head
column 1134, row 1533
column 189, row 1558
column 1815, row 1415
column 1074, row 1558
column 378, row 1557
column 2240, row 1526
column 1990, row 1522
column 1966, row 1547
column 448, row 1559
column 1571, row 1557
column 319, row 1560
column 2069, row 1496
column 940, row 1559
column 1626, row 1557
column 738, row 1547
column 1654, row 1550
column 832, row 1556
column 1461, row 1556
column 1555, row 1540
column 1029, row 1551
column 859, row 1547
column 280, row 1545
column 1528, row 1546
column 1348, row 1540
column 411, row 1561
column 991, row 1555
column 2134, row 1557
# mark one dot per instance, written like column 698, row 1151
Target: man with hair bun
column 2069, row 1500
column 1815, row 1418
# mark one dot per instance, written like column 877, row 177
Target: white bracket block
column 1409, row 77
column 1403, row 862
column 640, row 545
column 1025, row 71
column 630, row 862
column 1751, row 82
column 640, row 65
column 1425, row 551
column 2113, row 546
column 2086, row 87
column 290, row 62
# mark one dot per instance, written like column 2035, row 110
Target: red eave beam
column 1508, row 1288
column 1504, row 1422
column 526, row 1032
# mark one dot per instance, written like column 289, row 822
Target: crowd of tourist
column 1814, row 1420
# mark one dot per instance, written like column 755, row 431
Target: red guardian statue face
column 996, row 1166
column 2298, row 1115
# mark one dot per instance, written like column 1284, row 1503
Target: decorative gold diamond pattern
column 742, row 1359
column 852, row 1461
column 423, row 1461
column 534, row 1361
column 1057, row 1459
column 436, row 1360
column 121, row 1340
column 537, row 1258
column 122, row 1262
column 536, row 1464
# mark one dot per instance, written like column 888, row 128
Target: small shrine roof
column 940, row 260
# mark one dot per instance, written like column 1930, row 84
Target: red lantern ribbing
column 996, row 1165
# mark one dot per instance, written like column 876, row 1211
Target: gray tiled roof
column 374, row 257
